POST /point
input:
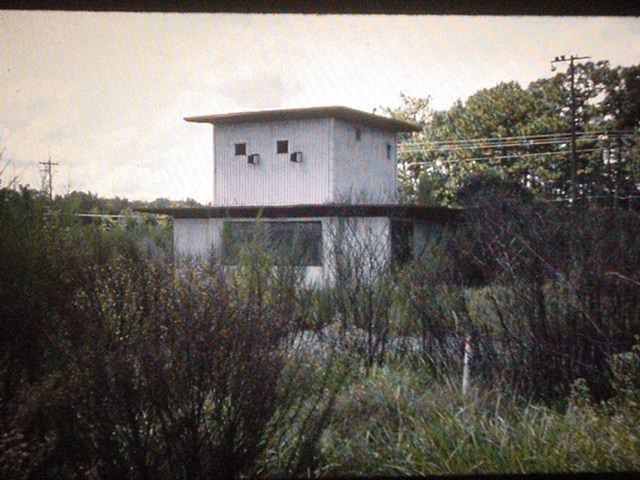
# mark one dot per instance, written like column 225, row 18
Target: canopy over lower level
column 439, row 215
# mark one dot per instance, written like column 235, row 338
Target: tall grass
column 396, row 422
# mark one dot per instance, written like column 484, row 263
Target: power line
column 531, row 140
column 537, row 135
column 509, row 143
column 590, row 197
column 419, row 148
column 496, row 157
column 506, row 142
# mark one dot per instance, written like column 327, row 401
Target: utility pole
column 48, row 175
column 571, row 61
column 618, row 171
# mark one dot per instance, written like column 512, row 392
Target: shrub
column 180, row 374
column 564, row 289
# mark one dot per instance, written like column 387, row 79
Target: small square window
column 241, row 148
column 358, row 134
column 282, row 146
column 388, row 151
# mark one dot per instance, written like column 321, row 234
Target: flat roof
column 345, row 113
column 440, row 215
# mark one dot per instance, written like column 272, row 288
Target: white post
column 466, row 365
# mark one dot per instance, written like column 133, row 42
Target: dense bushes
column 116, row 364
column 46, row 256
column 171, row 377
column 563, row 293
column 547, row 293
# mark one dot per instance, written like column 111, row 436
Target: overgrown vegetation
column 115, row 364
column 395, row 421
column 119, row 361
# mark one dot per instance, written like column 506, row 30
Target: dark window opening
column 358, row 134
column 241, row 148
column 282, row 146
column 288, row 243
column 401, row 241
column 388, row 151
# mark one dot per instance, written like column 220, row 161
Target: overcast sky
column 105, row 93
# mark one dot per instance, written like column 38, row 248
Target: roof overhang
column 349, row 114
column 439, row 215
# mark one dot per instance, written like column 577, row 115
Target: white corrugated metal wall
column 196, row 236
column 336, row 167
column 363, row 173
column 275, row 180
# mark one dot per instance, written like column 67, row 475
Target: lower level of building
column 308, row 236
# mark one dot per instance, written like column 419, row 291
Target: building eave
column 439, row 215
column 345, row 113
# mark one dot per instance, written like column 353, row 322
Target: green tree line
column 535, row 122
column 87, row 202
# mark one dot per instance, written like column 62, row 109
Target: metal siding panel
column 197, row 236
column 363, row 172
column 364, row 239
column 192, row 236
column 329, row 238
column 375, row 233
column 275, row 180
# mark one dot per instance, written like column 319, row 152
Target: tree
column 418, row 111
column 477, row 135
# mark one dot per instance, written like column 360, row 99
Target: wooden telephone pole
column 571, row 61
column 47, row 180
